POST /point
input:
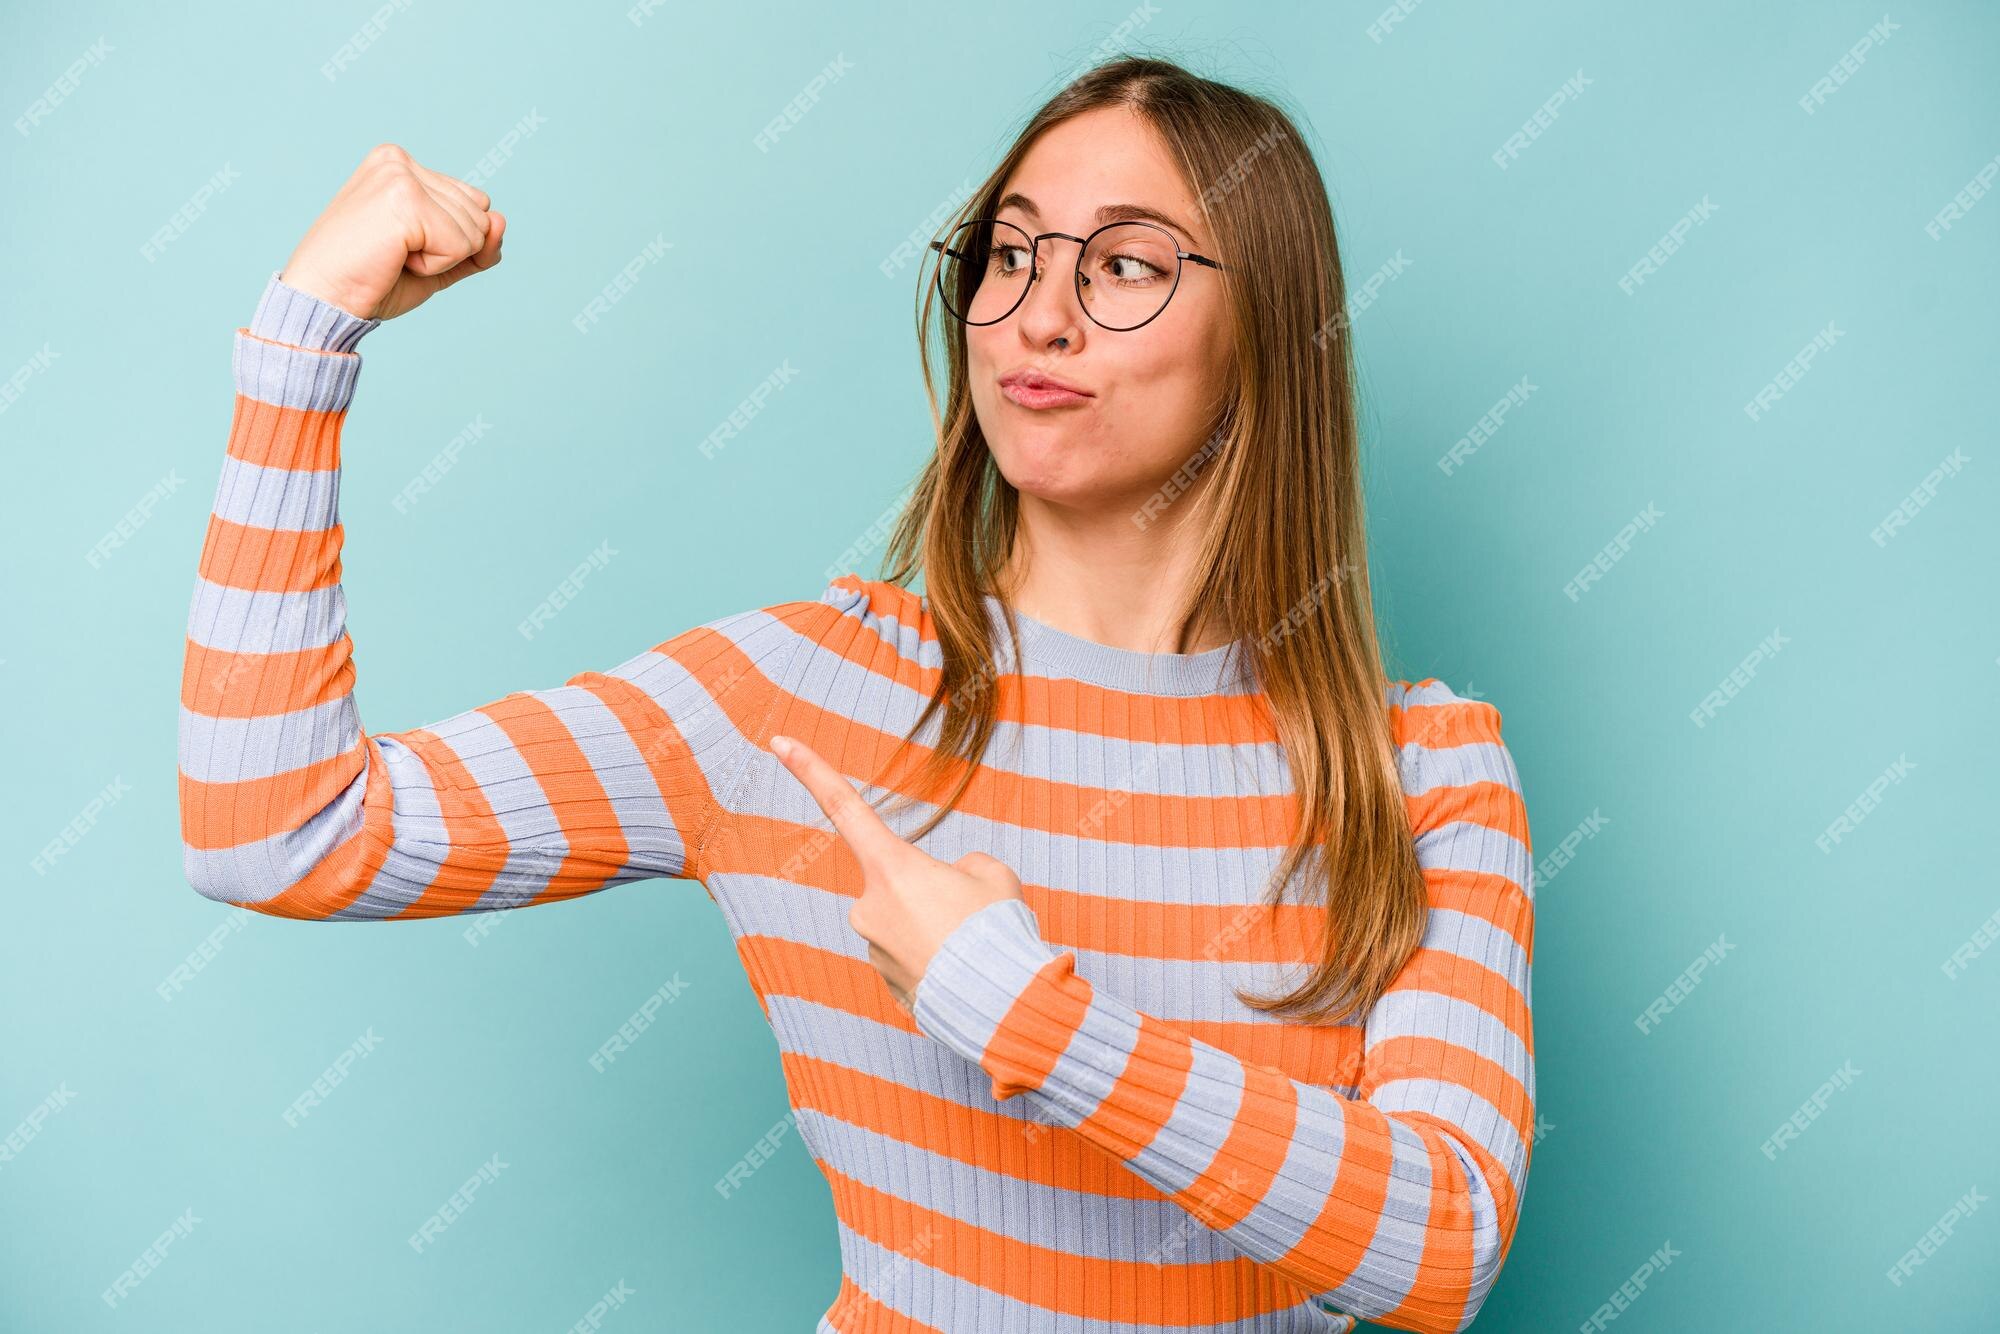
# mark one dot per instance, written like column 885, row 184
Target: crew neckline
column 1048, row 651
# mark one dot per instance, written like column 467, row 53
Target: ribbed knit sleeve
column 290, row 808
column 1398, row 1205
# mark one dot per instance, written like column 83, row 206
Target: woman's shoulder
column 1430, row 714
column 1460, row 777
column 857, row 616
column 856, row 594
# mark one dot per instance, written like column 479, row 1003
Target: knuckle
column 404, row 188
column 388, row 152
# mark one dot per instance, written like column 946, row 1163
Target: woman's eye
column 1130, row 268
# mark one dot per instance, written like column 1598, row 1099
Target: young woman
column 1182, row 978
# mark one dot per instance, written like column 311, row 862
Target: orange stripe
column 223, row 815
column 867, row 754
column 1448, row 1062
column 1081, row 1286
column 270, row 560
column 1490, row 804
column 1186, row 932
column 221, row 683
column 1077, row 706
column 812, row 856
column 1035, row 1152
column 1038, row 1025
column 298, row 439
column 1463, row 979
column 1440, row 726
column 1492, row 898
column 1327, row 1055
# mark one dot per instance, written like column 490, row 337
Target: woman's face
column 1154, row 390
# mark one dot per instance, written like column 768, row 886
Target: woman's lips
column 1031, row 396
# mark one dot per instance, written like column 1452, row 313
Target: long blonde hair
column 1282, row 554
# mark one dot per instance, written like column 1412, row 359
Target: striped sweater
column 1078, row 1127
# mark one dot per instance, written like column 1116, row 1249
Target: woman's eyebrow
column 1105, row 212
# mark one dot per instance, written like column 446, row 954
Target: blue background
column 1891, row 651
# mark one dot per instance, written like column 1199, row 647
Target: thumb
column 990, row 871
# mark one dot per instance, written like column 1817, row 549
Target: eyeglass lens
column 1125, row 275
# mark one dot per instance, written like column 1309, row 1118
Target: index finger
column 853, row 818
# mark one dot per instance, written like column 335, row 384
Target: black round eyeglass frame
column 1083, row 248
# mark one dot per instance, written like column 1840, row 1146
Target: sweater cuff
column 998, row 995
column 287, row 315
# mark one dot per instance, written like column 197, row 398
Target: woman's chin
column 1052, row 472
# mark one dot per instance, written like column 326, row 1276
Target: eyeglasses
column 1126, row 272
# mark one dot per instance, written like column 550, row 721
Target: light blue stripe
column 286, row 499
column 241, row 620
column 1099, row 1226
column 906, row 1284
column 281, row 376
column 231, row 750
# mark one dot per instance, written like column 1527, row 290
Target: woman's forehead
column 1104, row 165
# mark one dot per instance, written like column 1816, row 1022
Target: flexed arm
column 1398, row 1205
column 287, row 805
